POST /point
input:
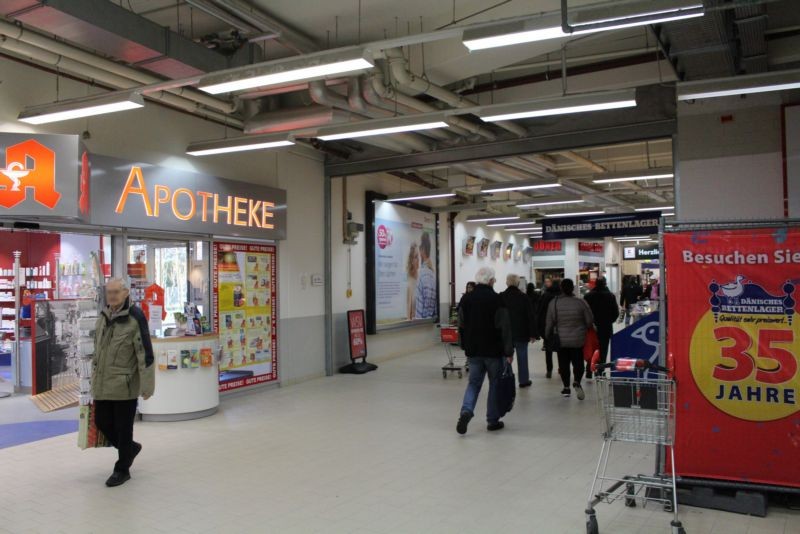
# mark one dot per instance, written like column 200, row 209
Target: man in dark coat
column 551, row 291
column 522, row 325
column 605, row 310
column 484, row 320
column 631, row 292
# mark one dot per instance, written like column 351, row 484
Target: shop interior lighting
column 632, row 238
column 530, row 221
column 534, row 234
column 408, row 123
column 238, row 144
column 561, row 105
column 531, row 229
column 81, row 107
column 574, row 214
column 740, row 85
column 668, row 214
column 517, row 186
column 421, row 195
column 499, row 218
column 633, row 176
column 305, row 68
column 656, row 208
column 552, row 203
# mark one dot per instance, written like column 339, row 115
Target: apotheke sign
column 137, row 195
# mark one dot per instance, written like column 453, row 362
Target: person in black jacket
column 551, row 291
column 487, row 340
column 522, row 325
column 605, row 310
column 631, row 292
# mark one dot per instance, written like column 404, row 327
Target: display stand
column 358, row 345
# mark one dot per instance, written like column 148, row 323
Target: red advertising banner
column 245, row 312
column 547, row 246
column 734, row 335
column 358, row 336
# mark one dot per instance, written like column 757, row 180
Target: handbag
column 554, row 340
column 89, row 436
column 505, row 389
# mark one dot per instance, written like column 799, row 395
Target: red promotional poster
column 153, row 296
column 358, row 336
column 734, row 335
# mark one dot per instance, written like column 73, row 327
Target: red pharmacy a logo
column 29, row 166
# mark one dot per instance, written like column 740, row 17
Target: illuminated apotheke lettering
column 226, row 209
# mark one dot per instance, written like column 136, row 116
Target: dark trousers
column 548, row 358
column 567, row 357
column 115, row 420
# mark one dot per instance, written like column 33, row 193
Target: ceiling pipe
column 27, row 36
column 294, row 119
column 409, row 82
column 287, row 36
column 118, row 82
column 583, row 161
column 220, row 14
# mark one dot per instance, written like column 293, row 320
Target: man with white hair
column 523, row 329
column 484, row 321
column 122, row 370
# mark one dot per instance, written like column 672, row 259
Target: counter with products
column 187, row 379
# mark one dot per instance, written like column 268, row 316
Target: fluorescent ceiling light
column 740, row 85
column 655, row 208
column 667, row 214
column 81, row 107
column 633, row 176
column 514, row 223
column 482, row 219
column 559, row 105
column 517, row 186
column 238, row 144
column 538, row 29
column 407, row 123
column 530, row 233
column 421, row 195
column 306, row 68
column 553, row 203
column 615, row 16
column 531, row 229
column 633, row 238
column 575, row 214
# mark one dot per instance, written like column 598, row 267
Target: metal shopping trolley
column 638, row 410
column 456, row 360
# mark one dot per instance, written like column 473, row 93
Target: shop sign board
column 646, row 252
column 618, row 224
column 357, row 334
column 541, row 247
column 245, row 291
column 143, row 196
column 43, row 177
column 590, row 248
column 735, row 338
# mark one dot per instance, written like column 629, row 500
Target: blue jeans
column 521, row 348
column 478, row 369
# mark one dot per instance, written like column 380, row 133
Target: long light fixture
column 740, row 85
column 81, row 107
column 561, row 105
column 305, row 68
column 530, row 233
column 514, row 223
column 517, row 186
column 672, row 214
column 421, row 195
column 407, row 123
column 552, row 203
column 633, row 176
column 518, row 32
column 632, row 238
column 484, row 219
column 574, row 214
column 529, row 229
column 655, row 208
column 238, row 144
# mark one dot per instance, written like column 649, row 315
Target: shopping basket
column 636, row 410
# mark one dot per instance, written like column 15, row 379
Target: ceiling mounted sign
column 618, row 224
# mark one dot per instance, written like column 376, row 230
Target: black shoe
column 491, row 427
column 117, row 479
column 526, row 384
column 579, row 391
column 549, row 374
column 565, row 392
column 463, row 421
column 588, row 376
column 137, row 448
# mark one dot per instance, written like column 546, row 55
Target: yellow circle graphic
column 748, row 365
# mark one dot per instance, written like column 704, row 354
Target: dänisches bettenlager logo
column 744, row 350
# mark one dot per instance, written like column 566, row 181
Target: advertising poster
column 405, row 265
column 245, row 313
column 735, row 338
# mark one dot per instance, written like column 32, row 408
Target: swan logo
column 742, row 296
column 30, row 166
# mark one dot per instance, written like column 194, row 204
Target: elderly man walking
column 523, row 329
column 122, row 370
column 486, row 328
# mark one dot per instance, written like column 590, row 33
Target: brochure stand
column 358, row 345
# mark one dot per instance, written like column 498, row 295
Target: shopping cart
column 637, row 410
column 456, row 360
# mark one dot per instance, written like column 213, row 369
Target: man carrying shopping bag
column 122, row 370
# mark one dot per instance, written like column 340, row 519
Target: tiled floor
column 372, row 453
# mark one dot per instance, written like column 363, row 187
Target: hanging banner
column 618, row 224
column 245, row 313
column 735, row 338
